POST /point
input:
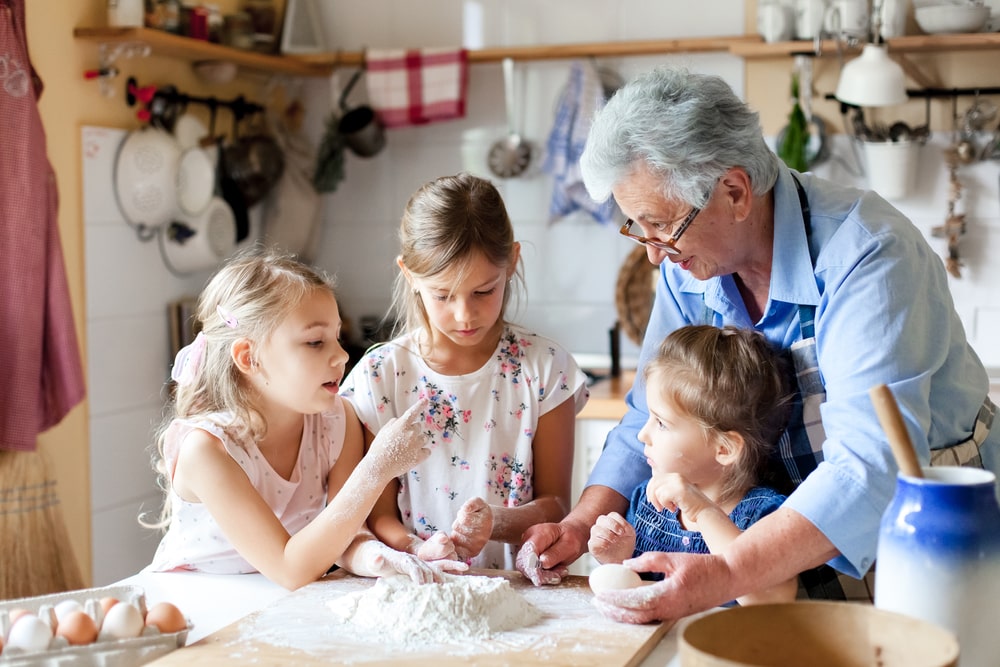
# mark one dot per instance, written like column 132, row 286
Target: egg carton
column 105, row 652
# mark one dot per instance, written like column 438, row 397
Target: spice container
column 126, row 13
column 238, row 31
column 264, row 17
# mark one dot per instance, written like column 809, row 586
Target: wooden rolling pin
column 892, row 423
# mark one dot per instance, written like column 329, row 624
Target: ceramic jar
column 939, row 556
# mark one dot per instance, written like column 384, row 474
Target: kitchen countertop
column 607, row 397
column 213, row 602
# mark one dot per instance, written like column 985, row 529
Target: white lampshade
column 872, row 79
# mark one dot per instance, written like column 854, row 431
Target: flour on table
column 461, row 608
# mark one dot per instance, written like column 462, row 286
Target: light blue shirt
column 884, row 314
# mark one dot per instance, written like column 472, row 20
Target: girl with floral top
column 719, row 400
column 502, row 401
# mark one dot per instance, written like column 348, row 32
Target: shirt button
column 865, row 562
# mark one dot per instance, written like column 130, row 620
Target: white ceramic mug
column 809, row 18
column 893, row 18
column 848, row 17
column 774, row 21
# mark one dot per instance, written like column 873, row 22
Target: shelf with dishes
column 195, row 50
column 322, row 64
column 966, row 41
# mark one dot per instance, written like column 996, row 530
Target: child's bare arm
column 552, row 450
column 207, row 474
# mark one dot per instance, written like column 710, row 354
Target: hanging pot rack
column 153, row 97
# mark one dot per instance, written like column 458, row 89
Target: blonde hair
column 727, row 379
column 246, row 299
column 445, row 224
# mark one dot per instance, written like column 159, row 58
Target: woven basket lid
column 634, row 293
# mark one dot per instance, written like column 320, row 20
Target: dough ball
column 613, row 577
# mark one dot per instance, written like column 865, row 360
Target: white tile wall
column 571, row 265
column 127, row 287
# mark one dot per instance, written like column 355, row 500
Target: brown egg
column 166, row 617
column 107, row 603
column 78, row 628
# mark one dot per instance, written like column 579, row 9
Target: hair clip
column 227, row 317
column 187, row 363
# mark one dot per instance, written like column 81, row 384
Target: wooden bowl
column 815, row 633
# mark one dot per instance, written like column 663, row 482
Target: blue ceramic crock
column 939, row 557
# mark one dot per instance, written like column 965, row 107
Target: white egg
column 613, row 577
column 123, row 621
column 65, row 608
column 30, row 634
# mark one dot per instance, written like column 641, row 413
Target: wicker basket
column 634, row 293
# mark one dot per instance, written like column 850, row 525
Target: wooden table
column 299, row 629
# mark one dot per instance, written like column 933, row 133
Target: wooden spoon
column 892, row 423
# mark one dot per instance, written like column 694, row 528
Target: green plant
column 792, row 148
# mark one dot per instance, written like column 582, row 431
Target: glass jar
column 265, row 20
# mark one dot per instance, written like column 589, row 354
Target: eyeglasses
column 667, row 246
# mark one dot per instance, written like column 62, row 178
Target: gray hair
column 689, row 128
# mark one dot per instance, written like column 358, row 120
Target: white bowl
column 938, row 19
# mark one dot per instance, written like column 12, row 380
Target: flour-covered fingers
column 401, row 444
column 437, row 547
column 472, row 528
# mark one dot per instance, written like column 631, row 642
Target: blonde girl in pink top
column 261, row 459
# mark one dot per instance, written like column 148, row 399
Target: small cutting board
column 300, row 629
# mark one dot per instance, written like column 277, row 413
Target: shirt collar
column 793, row 278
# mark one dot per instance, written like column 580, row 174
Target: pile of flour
column 464, row 607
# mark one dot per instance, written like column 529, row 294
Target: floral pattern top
column 480, row 425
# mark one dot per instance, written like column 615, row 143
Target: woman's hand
column 400, row 445
column 530, row 565
column 691, row 583
column 612, row 539
column 472, row 528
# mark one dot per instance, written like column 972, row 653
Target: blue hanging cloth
column 580, row 100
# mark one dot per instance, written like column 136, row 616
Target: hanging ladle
column 892, row 423
column 511, row 155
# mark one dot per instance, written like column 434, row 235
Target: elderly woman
column 837, row 277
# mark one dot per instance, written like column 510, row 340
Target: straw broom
column 36, row 557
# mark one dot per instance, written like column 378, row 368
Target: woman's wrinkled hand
column 691, row 583
column 530, row 565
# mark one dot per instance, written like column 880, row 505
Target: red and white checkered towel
column 417, row 86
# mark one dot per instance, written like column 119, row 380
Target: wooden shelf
column 322, row 64
column 973, row 41
column 568, row 51
column 165, row 43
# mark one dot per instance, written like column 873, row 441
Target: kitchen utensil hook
column 350, row 84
